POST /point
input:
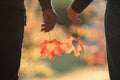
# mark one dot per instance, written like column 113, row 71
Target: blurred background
column 91, row 65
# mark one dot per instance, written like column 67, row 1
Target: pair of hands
column 50, row 18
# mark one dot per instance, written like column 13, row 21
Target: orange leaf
column 51, row 48
column 51, row 55
column 81, row 45
column 58, row 50
column 43, row 51
column 76, row 52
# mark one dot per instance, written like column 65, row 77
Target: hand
column 50, row 19
column 73, row 15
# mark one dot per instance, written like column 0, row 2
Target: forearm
column 45, row 4
column 79, row 5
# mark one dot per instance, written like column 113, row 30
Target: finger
column 47, row 27
column 74, row 19
column 43, row 25
column 52, row 22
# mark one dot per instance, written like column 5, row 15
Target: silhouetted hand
column 73, row 15
column 50, row 19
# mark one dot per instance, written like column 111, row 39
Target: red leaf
column 51, row 56
column 47, row 47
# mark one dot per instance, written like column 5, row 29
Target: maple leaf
column 73, row 44
column 51, row 48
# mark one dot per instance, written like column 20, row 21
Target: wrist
column 45, row 4
column 71, row 10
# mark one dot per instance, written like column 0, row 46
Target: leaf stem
column 49, row 33
column 75, row 30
